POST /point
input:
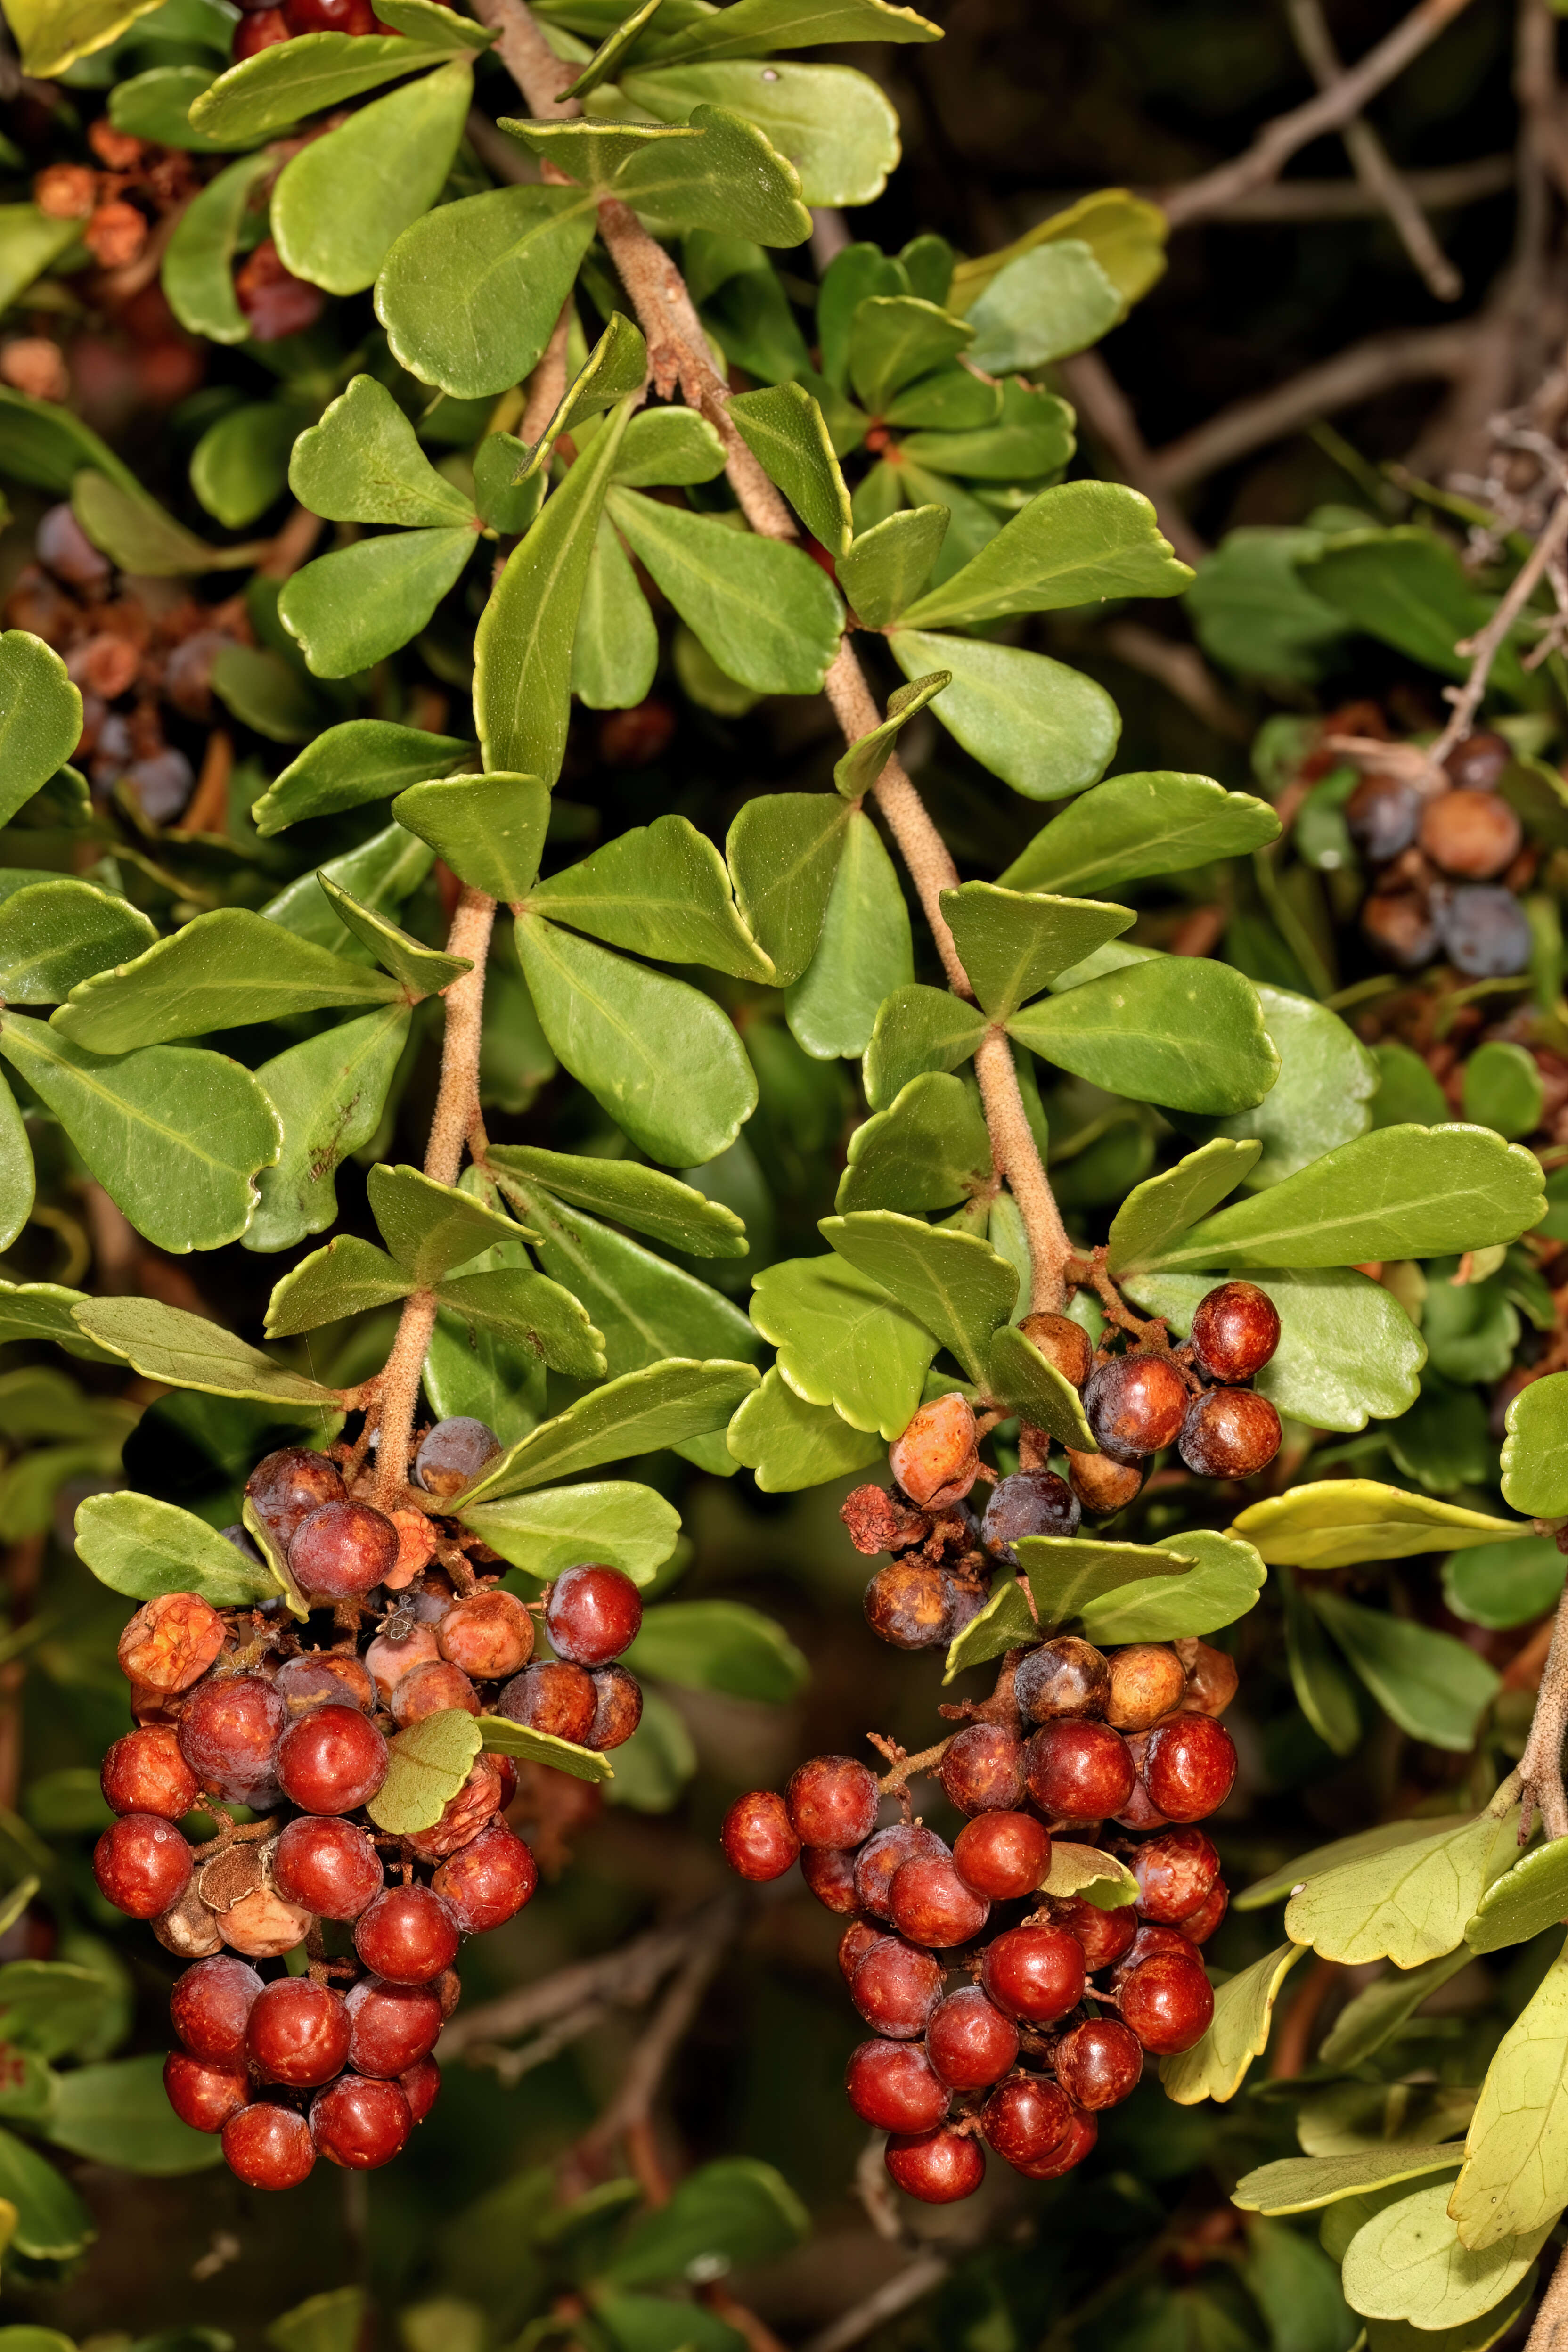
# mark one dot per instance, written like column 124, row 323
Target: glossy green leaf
column 432, row 1228
column 1321, row 1098
column 522, row 651
column 1503, row 1089
column 530, row 1311
column 1077, row 543
column 52, row 2225
column 668, row 446
column 362, row 463
column 787, row 1444
column 240, row 466
column 661, row 890
column 1126, row 233
column 1407, row 1905
column 752, row 28
column 615, row 368
column 927, row 1149
column 363, row 760
column 349, row 610
column 426, row 1765
column 489, row 829
column 1068, row 1574
column 1433, row 1686
column 836, row 127
column 1300, row 2184
column 40, row 717
column 782, row 427
column 142, row 1547
column 1504, row 1584
column 1165, row 1205
column 501, row 1737
column 1215, row 2067
column 884, row 569
column 1178, row 1031
column 1324, row 1686
column 1524, row 1902
column 764, row 610
column 1006, row 1622
column 952, row 1282
column 1515, row 2177
column 895, row 337
column 349, row 1277
column 843, row 1341
column 1408, row 2263
column 1020, row 1378
column 664, row 1405
column 433, row 21
column 186, row 1351
column 718, row 173
column 917, row 1029
column 1347, row 1349
column 720, row 1645
column 627, row 1526
column 1340, row 1522
column 615, row 655
column 222, row 971
column 1044, row 728
column 1050, row 302
column 308, row 75
column 1011, row 943
column 864, row 950
column 1031, row 439
column 644, row 1198
column 1223, row 1585
column 198, row 263
column 782, row 853
column 53, row 934
column 329, row 1094
column 1535, row 1451
column 1132, row 827
column 422, row 972
column 469, row 295
column 954, row 400
column 603, row 65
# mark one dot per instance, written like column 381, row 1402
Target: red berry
column 297, row 2033
column 1063, row 1680
column 285, row 1488
column 408, row 1935
column 360, row 2124
column 1167, row 2002
column 982, row 1770
column 1138, row 1813
column 832, row 1801
column 1003, row 1855
column 1200, row 1925
column 269, row 2146
column 343, row 1551
column 891, row 2087
column 487, row 1882
column 617, row 1709
column 391, row 2027
column 332, row 1761
column 938, row 2166
column 930, row 1904
column 419, row 2087
column 560, row 1700
column 969, row 2041
column 853, row 1946
column 594, row 1614
column 758, row 1839
column 1034, row 1973
column 329, row 1867
column 1079, row 1771
column 1230, row 1434
column 1104, row 1935
column 935, row 1461
column 1147, row 1681
column 1235, row 1329
column 257, row 29
column 431, row 1690
column 1174, row 1873
column 203, row 2096
column 1151, row 1939
column 323, row 1678
column 170, row 1642
column 1134, row 1405
column 210, row 2007
column 896, row 1987
column 452, row 1455
column 1082, row 2133
column 1026, row 2119
column 490, row 1636
column 829, row 1872
column 882, row 1856
column 229, row 1733
column 1098, row 2063
column 1189, row 1766
column 142, row 1864
column 145, row 1773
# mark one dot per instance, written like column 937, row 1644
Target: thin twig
column 625, row 1976
column 1536, row 90
column 1541, row 1766
column 1487, row 643
column 884, row 2303
column 1448, row 184
column 1107, row 411
column 633, row 2102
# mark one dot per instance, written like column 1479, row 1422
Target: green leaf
column 17, row 1178
column 1031, row 439
column 1384, row 1839
column 836, row 126
column 884, row 569
column 601, row 66
column 668, row 446
column 363, row 760
column 1471, row 1328
column 1006, row 1622
column 29, row 243
column 660, row 1058
column 1524, row 1902
column 426, row 1765
column 1019, row 1377
column 615, row 655
column 1165, row 1205
column 954, row 400
column 644, row 1198
column 1135, row 826
column 863, row 952
column 952, row 1282
column 1407, row 1092
column 183, row 1186
column 53, row 2225
column 118, row 2113
column 1222, row 1586
column 1399, row 1193
column 349, row 1277
column 767, row 614
column 664, row 1405
column 626, row 1527
column 144, row 1547
column 433, row 21
column 719, row 172
column 661, row 890
column 1068, row 1574
column 1011, row 943
column 362, row 463
column 522, row 651
column 469, row 295
column 240, row 466
column 750, row 28
column 1347, row 1349
column 310, row 75
column 1215, row 2067
column 43, row 1310
column 1321, row 1098
column 1504, row 1584
column 329, row 1094
column 264, row 691
column 1044, row 728
column 349, row 610
column 1535, row 1451
column 1077, row 543
column 1050, row 302
column 186, row 1351
column 893, row 339
column 47, row 447
column 332, row 2321
column 615, row 368
column 198, row 264
column 927, row 1149
column 40, row 717
column 1434, row 1687
column 424, row 971
column 1515, row 2177
column 788, row 1444
column 1408, row 2263
column 533, row 1312
column 844, row 1342
column 432, row 1228
column 53, row 36
column 1300, row 2184
column 720, row 1645
column 138, row 535
column 1177, row 1030
column 723, row 2215
column 1503, row 1089
column 782, row 853
column 1325, row 1691
column 489, row 829
column 501, row 1737
column 1340, row 1522
column 1086, row 1870
column 782, row 427
column 1407, row 587
column 1407, row 1905
column 917, row 1029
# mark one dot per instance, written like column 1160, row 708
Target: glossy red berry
column 391, row 2027
column 269, row 2146
column 142, row 1864
column 145, row 1773
column 343, row 1551
column 1104, row 1935
column 204, row 2096
column 329, row 1867
column 323, row 1678
column 1035, row 1974
column 408, row 1935
column 882, row 1857
column 969, row 2040
column 1230, row 1434
column 1076, row 2143
column 490, row 1636
column 297, row 2033
column 1134, row 1405
column 1138, row 1812
column 1174, row 1873
column 330, row 17
column 1150, row 1939
column 1235, row 1329
column 982, row 1770
column 1098, row 2063
column 359, row 2123
column 617, row 1709
column 1003, row 1856
column 896, row 1987
column 1026, row 2119
column 758, row 1839
column 229, row 1735
column 1063, row 1680
column 829, row 1872
column 453, row 1454
column 1167, row 2002
column 938, row 2166
column 210, row 2008
column 832, row 1801
column 936, row 1461
column 487, row 1882
column 929, row 1903
column 332, row 1761
column 1079, row 1771
column 286, row 1486
column 594, row 1614
column 1189, row 1766
column 855, row 1943
column 1200, row 1925
column 557, row 1698
column 420, row 2087
column 1147, row 1681
column 893, row 2088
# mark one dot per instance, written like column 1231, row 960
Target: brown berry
column 1473, row 836
column 1104, row 1487
column 1064, row 1679
column 1003, row 1856
column 328, row 1867
column 983, row 1768
column 274, row 301
column 1479, row 762
column 617, row 1709
column 359, row 2123
column 1029, row 1503
column 1077, row 2142
column 490, row 1636
column 854, row 1944
column 1230, row 1434
column 142, row 1864
column 969, row 2041
column 1399, row 925
column 462, row 1816
column 323, row 1678
column 930, row 1904
column 758, row 1838
column 66, row 192
column 832, row 1801
column 202, row 2095
column 1189, row 1766
column 1063, row 1343
column 297, row 2033
column 896, row 1987
column 936, row 1461
column 170, row 1642
column 389, row 1661
column 1079, row 1771
column 269, row 2146
column 1151, row 1939
column 1235, row 1329
column 1034, row 1973
column 1212, row 1678
column 938, row 2166
column 144, row 1772
column 1167, row 2002
column 547, row 1697
column 264, row 1925
column 893, row 2088
column 1380, row 815
column 431, row 1690
column 908, row 1603
column 452, row 1455
column 1134, row 1405
column 1147, row 1681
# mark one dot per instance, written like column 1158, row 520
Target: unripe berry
column 1026, row 2119
column 1099, row 2063
column 970, row 2043
column 1065, row 1679
column 408, row 1935
column 488, row 1634
column 1104, row 1487
column 1174, row 1873
column 431, row 1690
column 332, row 1761
column 1105, row 1935
column 487, row 1881
column 264, row 1925
column 617, row 1709
column 452, row 1455
column 560, row 1700
column 144, row 1772
column 936, row 1460
column 328, row 1867
column 1079, row 1771
column 1235, row 1329
column 297, row 2033
column 142, row 1864
column 1472, row 836
column 930, row 1904
column 892, row 2088
column 1189, row 1766
column 170, row 1642
column 832, row 1801
column 938, row 2166
column 323, row 1678
column 1030, row 1503
column 1063, row 1343
column 269, row 2146
column 882, row 1858
column 829, row 1872
column 209, row 2008
column 895, row 1988
column 1230, row 1434
column 360, row 2124
column 1134, row 1405
column 420, row 2086
column 229, row 1735
column 285, row 1488
column 343, row 1551
column 1034, row 1973
column 391, row 2027
column 204, row 2096
column 758, row 1838
column 1167, row 2002
column 1003, row 1856
column 1147, row 1681
column 594, row 1614
column 983, row 1768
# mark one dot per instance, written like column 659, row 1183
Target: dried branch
column 1486, row 645
column 1438, row 190
column 623, row 1978
column 884, row 2303
column 1105, row 408
column 632, row 2105
column 1535, row 87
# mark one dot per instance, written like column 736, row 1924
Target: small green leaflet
column 165, row 1343
column 1012, row 944
column 646, row 1198
column 427, row 1765
column 1524, row 1902
column 917, row 1029
column 362, row 463
column 308, row 75
column 788, row 1444
column 640, row 1412
column 782, row 427
column 1067, row 1573
column 885, row 568
column 363, row 760
column 40, row 717
column 954, row 1282
column 843, row 1341
column 862, row 764
column 469, row 295
column 1178, row 1031
column 1020, row 1378
column 434, row 1228
column 627, row 1526
column 1409, row 2262
column 927, row 1149
column 1215, row 2067
column 763, row 609
column 1043, row 728
column 1135, row 826
column 349, row 610
column 1086, row 1870
column 616, row 366
column 659, row 890
column 489, row 829
column 1223, row 1585
column 1298, row 2184
column 1535, row 1452
column 782, row 853
column 501, row 1737
column 718, row 173
column 1077, row 543
column 1340, row 1522
column 142, row 1547
column 329, row 1094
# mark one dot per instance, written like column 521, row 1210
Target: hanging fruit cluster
column 236, row 1708
column 1449, row 858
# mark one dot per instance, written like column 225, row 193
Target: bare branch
column 1541, row 1766
column 1446, row 186
column 627, row 1977
column 1105, row 408
column 1550, row 2332
column 1483, row 648
column 632, row 2105
column 894, row 2296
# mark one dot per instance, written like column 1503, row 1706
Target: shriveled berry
column 938, row 2166
column 1478, row 763
column 1401, row 926
column 1003, row 1856
column 391, row 2027
column 893, row 2088
column 1212, row 1678
column 1104, row 1487
column 1167, row 2002
column 983, row 1768
column 617, row 1709
column 1147, row 1681
column 343, row 1551
column 936, row 1461
column 1189, row 1766
column 452, row 1455
column 144, row 1772
column 1235, row 1329
column 328, row 1867
column 359, row 2123
column 229, row 1733
column 896, row 1987
column 1098, row 2063
column 882, row 1858
column 297, row 2033
column 1174, row 1873
column 1472, row 836
column 909, row 1604
column 854, row 1944
column 323, row 1678
column 1034, row 1973
column 420, row 2086
column 1105, row 1935
column 1079, row 1771
column 930, row 1904
column 142, row 1864
column 1029, row 1503
column 547, row 1697
column 594, row 1614
column 264, row 1925
column 1063, row 1679
column 462, row 1816
column 269, row 2146
column 431, row 1690
column 1230, row 1434
column 288, row 1486
column 1134, row 1405
column 170, row 1642
column 490, row 1636
column 1063, row 1343
column 1484, row 932
column 969, row 2041
column 202, row 2095
column 332, row 1761
column 758, row 1838
column 832, row 1801
column 829, row 1872
column 210, row 2006
column 1026, row 2119
column 1381, row 815
column 1077, row 2142
column 1200, row 1925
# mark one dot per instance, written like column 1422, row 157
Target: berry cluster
column 233, row 1710
column 1448, row 854
column 264, row 22
column 1006, row 2017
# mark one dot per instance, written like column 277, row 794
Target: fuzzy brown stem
column 1541, row 1766
column 1550, row 2332
column 1018, row 1159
